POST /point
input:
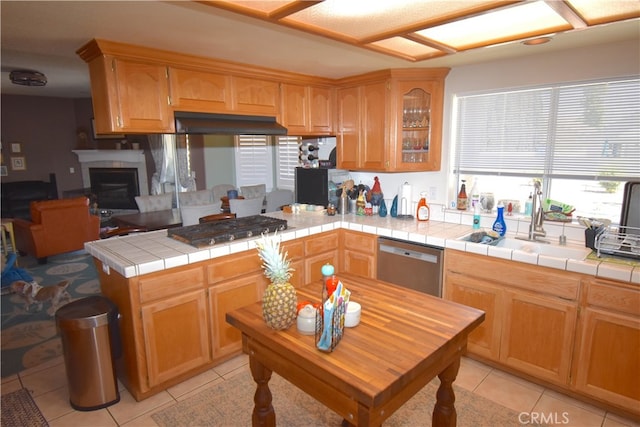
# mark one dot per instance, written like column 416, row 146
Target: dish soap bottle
column 423, row 211
column 476, row 216
column 475, row 195
column 528, row 205
column 499, row 226
column 462, row 197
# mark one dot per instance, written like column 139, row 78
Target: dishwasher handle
column 421, row 256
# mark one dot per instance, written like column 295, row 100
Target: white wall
column 607, row 60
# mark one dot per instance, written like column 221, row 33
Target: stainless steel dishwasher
column 410, row 265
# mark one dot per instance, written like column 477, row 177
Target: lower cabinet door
column 359, row 264
column 228, row 296
column 485, row 339
column 313, row 265
column 608, row 358
column 176, row 336
column 538, row 335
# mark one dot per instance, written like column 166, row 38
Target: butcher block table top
column 404, row 339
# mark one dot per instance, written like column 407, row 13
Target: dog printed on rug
column 33, row 293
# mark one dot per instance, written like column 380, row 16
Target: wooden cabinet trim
column 99, row 47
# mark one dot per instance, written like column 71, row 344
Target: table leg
column 444, row 412
column 263, row 413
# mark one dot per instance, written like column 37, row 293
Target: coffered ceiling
column 420, row 30
column 311, row 37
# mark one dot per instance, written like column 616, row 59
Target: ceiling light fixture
column 27, row 78
column 537, row 41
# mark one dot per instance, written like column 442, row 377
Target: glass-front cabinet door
column 419, row 124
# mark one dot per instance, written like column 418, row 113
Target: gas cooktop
column 210, row 233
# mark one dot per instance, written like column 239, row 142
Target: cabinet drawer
column 324, row 242
column 162, row 284
column 537, row 279
column 231, row 266
column 360, row 242
column 294, row 249
column 609, row 295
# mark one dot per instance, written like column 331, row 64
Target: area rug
column 19, row 409
column 230, row 403
column 29, row 336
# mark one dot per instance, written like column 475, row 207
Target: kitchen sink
column 547, row 249
column 557, row 251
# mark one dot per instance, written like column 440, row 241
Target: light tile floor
column 48, row 386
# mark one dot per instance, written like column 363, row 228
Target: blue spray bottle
column 499, row 226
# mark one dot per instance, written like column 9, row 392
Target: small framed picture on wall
column 15, row 147
column 18, row 164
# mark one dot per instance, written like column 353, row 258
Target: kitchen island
column 174, row 297
column 363, row 379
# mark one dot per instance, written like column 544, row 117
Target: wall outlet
column 72, row 170
column 433, row 192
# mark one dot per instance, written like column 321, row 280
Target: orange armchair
column 56, row 226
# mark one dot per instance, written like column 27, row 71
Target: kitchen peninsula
column 173, row 298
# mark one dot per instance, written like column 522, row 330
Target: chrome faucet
column 536, row 229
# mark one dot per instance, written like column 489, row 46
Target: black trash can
column 90, row 343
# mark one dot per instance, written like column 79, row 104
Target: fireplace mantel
column 114, row 159
column 131, row 156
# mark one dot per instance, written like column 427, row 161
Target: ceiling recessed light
column 537, row 41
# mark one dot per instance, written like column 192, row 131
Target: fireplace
column 115, row 188
column 114, row 176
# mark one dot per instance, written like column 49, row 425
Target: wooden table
column 404, row 339
column 150, row 221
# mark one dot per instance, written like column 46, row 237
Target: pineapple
column 279, row 303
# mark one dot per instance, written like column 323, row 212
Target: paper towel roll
column 405, row 200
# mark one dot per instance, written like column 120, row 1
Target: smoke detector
column 27, row 78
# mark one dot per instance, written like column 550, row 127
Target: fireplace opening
column 115, row 188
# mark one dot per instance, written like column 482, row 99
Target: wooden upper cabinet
column 362, row 135
column 387, row 121
column 200, row 91
column 255, row 96
column 419, row 125
column 374, row 125
column 348, row 135
column 307, row 110
column 399, row 115
column 133, row 96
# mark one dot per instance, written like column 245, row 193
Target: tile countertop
column 145, row 253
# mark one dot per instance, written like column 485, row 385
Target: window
column 582, row 140
column 253, row 160
column 286, row 161
column 258, row 162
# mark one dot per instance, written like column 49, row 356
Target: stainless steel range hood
column 226, row 124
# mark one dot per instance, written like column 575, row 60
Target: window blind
column 286, row 161
column 579, row 131
column 254, row 164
